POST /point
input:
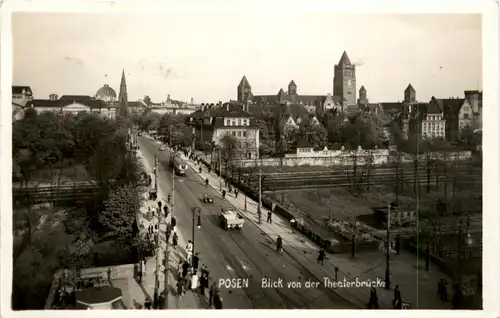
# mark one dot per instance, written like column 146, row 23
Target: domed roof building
column 106, row 94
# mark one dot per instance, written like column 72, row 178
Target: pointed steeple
column 344, row 60
column 123, row 99
column 362, row 89
column 244, row 82
column 409, row 88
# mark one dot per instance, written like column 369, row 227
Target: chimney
column 53, row 97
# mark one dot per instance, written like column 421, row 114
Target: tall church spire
column 122, row 99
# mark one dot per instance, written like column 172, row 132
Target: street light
column 390, row 208
column 196, row 211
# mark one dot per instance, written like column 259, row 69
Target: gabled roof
column 92, row 103
column 435, row 106
column 344, row 60
column 76, row 98
column 244, row 82
column 449, row 106
column 409, row 88
column 392, row 107
column 233, row 112
column 19, row 89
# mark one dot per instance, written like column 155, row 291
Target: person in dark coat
column 279, row 244
column 396, row 302
column 206, row 182
column 398, row 244
column 236, row 193
column 174, row 240
column 458, row 297
column 269, row 215
column 203, row 282
column 185, row 268
column 321, row 256
column 211, row 293
column 196, row 260
column 218, row 301
column 223, row 194
column 373, row 303
column 147, row 304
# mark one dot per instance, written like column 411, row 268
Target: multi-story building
column 344, row 91
column 475, row 100
column 433, row 124
column 21, row 95
column 74, row 104
column 212, row 123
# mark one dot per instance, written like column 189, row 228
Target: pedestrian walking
column 398, row 244
column 279, row 244
column 236, row 193
column 321, row 256
column 396, row 302
column 200, row 170
column 185, row 268
column 442, row 290
column 196, row 260
column 147, row 304
column 211, row 293
column 373, row 303
column 203, row 282
column 206, row 182
column 180, row 288
column 173, row 221
column 218, row 301
column 194, row 281
column 293, row 224
column 174, row 240
column 209, row 169
column 143, row 267
column 223, row 194
column 189, row 251
column 269, row 214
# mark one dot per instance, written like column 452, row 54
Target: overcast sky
column 204, row 56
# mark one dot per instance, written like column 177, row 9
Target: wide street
column 234, row 254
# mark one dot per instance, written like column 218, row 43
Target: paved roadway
column 233, row 254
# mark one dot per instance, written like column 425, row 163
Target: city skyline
column 210, row 64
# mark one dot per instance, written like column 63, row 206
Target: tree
column 467, row 135
column 141, row 243
column 120, row 213
column 316, row 135
column 228, row 150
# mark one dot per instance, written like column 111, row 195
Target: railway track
column 325, row 181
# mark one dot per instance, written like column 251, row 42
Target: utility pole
column 259, row 208
column 388, row 251
column 158, row 251
column 220, row 169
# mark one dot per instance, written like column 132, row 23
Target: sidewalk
column 189, row 300
column 417, row 286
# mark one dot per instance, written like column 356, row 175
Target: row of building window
column 238, row 133
column 237, row 122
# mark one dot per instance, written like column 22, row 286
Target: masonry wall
column 332, row 158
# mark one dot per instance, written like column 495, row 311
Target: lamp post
column 196, row 211
column 390, row 206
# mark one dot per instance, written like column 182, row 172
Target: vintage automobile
column 207, row 198
column 230, row 218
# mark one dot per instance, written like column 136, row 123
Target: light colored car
column 230, row 218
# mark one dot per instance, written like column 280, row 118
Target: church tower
column 244, row 90
column 292, row 88
column 122, row 98
column 362, row 96
column 344, row 81
column 410, row 94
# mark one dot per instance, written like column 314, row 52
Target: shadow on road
column 146, row 294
